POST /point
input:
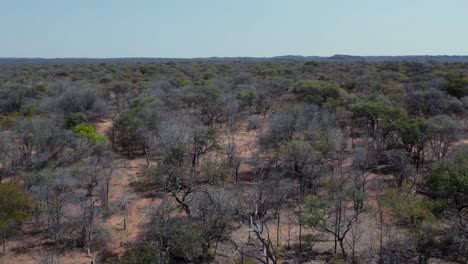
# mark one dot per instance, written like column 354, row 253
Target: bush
column 87, row 130
column 449, row 180
column 409, row 211
column 74, row 119
column 147, row 254
column 9, row 120
column 87, row 101
column 188, row 243
column 14, row 208
column 318, row 92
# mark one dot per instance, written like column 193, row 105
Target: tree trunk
column 4, row 243
column 343, row 252
column 300, row 228
column 194, row 160
column 278, row 230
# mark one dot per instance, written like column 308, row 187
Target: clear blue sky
column 205, row 28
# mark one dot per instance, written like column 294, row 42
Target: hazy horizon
column 210, row 28
column 255, row 57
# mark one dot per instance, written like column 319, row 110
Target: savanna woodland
column 233, row 161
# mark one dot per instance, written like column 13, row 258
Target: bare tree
column 41, row 141
column 399, row 164
column 443, row 132
column 331, row 215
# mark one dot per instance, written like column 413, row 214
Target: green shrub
column 147, row 254
column 409, row 212
column 29, row 110
column 9, row 120
column 188, row 243
column 318, row 92
column 449, row 180
column 87, row 130
column 74, row 119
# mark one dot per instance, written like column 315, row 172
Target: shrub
column 75, row 119
column 87, row 130
column 147, row 254
column 14, row 208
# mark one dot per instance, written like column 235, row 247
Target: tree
column 302, row 122
column 207, row 99
column 430, row 102
column 233, row 158
column 414, row 137
column 82, row 100
column 13, row 97
column 408, row 211
column 449, row 180
column 398, row 251
column 40, row 141
column 254, row 211
column 301, row 161
column 247, row 98
column 175, row 239
column 329, row 214
column 93, row 171
column 147, row 253
column 137, row 129
column 443, row 131
column 378, row 120
column 399, row 165
column 186, row 241
column 9, row 155
column 202, row 141
column 350, row 85
column 53, row 191
column 14, row 209
column 365, row 159
column 213, row 209
column 457, row 85
column 179, row 177
column 318, row 92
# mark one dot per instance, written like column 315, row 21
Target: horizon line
column 254, row 57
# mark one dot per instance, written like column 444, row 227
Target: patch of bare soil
column 103, row 126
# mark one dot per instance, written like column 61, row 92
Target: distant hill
column 334, row 58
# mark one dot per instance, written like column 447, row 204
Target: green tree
column 449, row 180
column 74, row 119
column 319, row 92
column 247, row 98
column 409, row 212
column 207, row 99
column 457, row 85
column 132, row 128
column 414, row 136
column 203, row 140
column 378, row 119
column 14, row 208
column 148, row 254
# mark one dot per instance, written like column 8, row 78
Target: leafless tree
column 443, row 132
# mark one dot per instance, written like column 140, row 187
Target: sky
column 229, row 28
